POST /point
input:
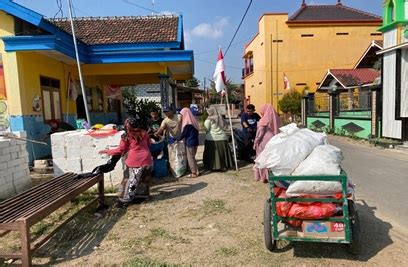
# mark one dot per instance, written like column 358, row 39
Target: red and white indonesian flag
column 219, row 74
column 286, row 84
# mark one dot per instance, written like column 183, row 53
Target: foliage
column 194, row 83
column 377, row 141
column 291, row 103
column 235, row 93
column 139, row 107
column 202, row 119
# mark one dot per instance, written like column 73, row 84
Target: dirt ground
column 215, row 219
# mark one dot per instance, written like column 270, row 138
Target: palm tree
column 235, row 93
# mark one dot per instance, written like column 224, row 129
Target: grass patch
column 83, row 199
column 214, row 207
column 112, row 237
column 41, row 228
column 227, row 251
column 146, row 262
column 154, row 235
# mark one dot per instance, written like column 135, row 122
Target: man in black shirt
column 249, row 122
column 154, row 122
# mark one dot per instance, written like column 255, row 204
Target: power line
column 59, row 5
column 239, row 26
column 268, row 70
column 139, row 6
column 81, row 11
column 214, row 50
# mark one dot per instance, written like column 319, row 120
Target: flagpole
column 88, row 118
column 232, row 131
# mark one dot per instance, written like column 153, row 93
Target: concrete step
column 43, row 170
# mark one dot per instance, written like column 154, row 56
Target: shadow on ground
column 170, row 191
column 375, row 235
column 80, row 236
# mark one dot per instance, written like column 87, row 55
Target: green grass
column 41, row 228
column 146, row 262
column 227, row 251
column 214, row 207
column 154, row 235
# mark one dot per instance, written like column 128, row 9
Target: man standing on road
column 249, row 122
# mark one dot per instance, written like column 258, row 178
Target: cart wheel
column 269, row 242
column 355, row 241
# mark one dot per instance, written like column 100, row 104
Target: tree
column 291, row 103
column 193, row 83
column 138, row 106
column 235, row 93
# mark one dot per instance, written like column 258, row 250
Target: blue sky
column 207, row 23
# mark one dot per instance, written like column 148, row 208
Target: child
column 135, row 142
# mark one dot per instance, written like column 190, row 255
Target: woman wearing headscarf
column 268, row 126
column 217, row 155
column 135, row 142
column 189, row 132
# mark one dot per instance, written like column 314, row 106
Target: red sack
column 282, row 208
column 313, row 211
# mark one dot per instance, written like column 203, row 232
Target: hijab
column 269, row 118
column 215, row 116
column 188, row 119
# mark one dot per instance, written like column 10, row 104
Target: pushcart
column 342, row 229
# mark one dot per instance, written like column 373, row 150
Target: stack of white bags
column 301, row 152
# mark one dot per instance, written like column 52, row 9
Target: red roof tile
column 115, row 30
column 355, row 77
column 338, row 12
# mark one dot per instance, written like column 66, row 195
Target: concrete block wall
column 148, row 91
column 14, row 169
column 77, row 152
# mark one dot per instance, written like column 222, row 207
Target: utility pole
column 205, row 93
column 84, row 96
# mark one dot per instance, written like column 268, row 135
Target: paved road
column 382, row 180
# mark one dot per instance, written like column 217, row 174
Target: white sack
column 282, row 156
column 285, row 131
column 322, row 188
column 177, row 159
column 324, row 160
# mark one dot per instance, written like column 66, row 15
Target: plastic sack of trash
column 317, row 188
column 311, row 212
column 324, row 160
column 282, row 208
column 284, row 156
column 262, row 160
column 177, row 158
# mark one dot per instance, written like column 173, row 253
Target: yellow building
column 37, row 64
column 295, row 52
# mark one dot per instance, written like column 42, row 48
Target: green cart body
column 349, row 219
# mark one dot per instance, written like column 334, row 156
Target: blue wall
column 36, row 130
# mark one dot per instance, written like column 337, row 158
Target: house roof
column 370, row 57
column 115, row 30
column 355, row 77
column 379, row 43
column 331, row 13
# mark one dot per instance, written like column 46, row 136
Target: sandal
column 193, row 175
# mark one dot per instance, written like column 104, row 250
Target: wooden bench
column 24, row 210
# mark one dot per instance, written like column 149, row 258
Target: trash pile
column 302, row 152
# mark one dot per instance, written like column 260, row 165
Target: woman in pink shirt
column 268, row 126
column 135, row 142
